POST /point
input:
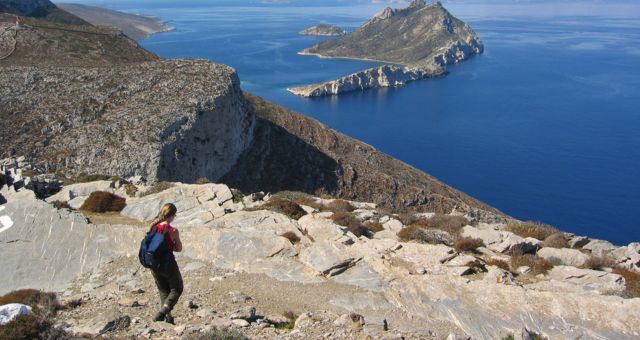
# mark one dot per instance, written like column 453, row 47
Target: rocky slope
column 383, row 76
column 39, row 9
column 323, row 30
column 424, row 38
column 134, row 26
column 241, row 273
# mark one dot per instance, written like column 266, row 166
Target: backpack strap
column 166, row 229
column 153, row 230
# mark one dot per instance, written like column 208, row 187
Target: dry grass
column 448, row 223
column 468, row 244
column 422, row 235
column 203, row 180
column 373, row 226
column 130, row 189
column 599, row 262
column 102, row 201
column 502, row 264
column 291, row 320
column 156, row 188
column 339, row 205
column 348, row 220
column 477, row 265
column 291, row 236
column 285, row 207
column 536, row 230
column 42, row 303
column 632, row 282
column 35, row 325
column 61, row 205
column 537, row 264
column 557, row 240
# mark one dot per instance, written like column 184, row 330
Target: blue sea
column 545, row 125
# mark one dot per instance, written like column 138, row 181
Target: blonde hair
column 168, row 210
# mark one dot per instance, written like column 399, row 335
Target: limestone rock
column 246, row 313
column 501, row 241
column 571, row 279
column 599, row 247
column 10, row 311
column 566, row 256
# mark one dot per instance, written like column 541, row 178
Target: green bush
column 284, row 206
column 102, row 201
column 536, row 230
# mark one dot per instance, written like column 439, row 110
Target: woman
column 168, row 278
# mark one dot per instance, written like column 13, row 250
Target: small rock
column 352, row 321
column 206, row 313
column 237, row 297
column 189, row 304
column 240, row 322
column 129, row 302
column 246, row 313
column 137, row 291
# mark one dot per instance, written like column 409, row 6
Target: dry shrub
column 502, row 264
column 429, row 236
column 284, row 206
column 348, row 220
column 477, row 265
column 373, row 226
column 339, row 205
column 219, row 334
column 536, row 230
column 409, row 218
column 291, row 320
column 28, row 326
column 599, row 262
column 448, row 223
column 632, row 282
column 156, row 188
column 130, row 189
column 537, row 264
column 557, row 240
column 310, row 202
column 102, row 201
column 291, row 236
column 468, row 244
column 42, row 303
column 203, row 180
column 61, row 205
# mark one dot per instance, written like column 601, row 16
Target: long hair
column 166, row 212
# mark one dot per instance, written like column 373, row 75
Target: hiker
column 167, row 276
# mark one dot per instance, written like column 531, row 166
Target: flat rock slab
column 566, row 256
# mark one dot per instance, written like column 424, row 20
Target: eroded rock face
column 178, row 120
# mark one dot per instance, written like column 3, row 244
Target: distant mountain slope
column 42, row 42
column 416, row 34
column 39, row 9
column 134, row 26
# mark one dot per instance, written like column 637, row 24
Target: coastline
column 351, row 58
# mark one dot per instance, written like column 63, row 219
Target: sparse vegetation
column 339, row 205
column 130, row 189
column 61, row 205
column 599, row 262
column 34, row 325
column 156, row 188
column 421, row 235
column 203, row 180
column 373, row 226
column 468, row 244
column 348, row 220
column 284, row 206
column 632, row 282
column 477, row 265
column 537, row 264
column 449, row 223
column 219, row 334
column 291, row 320
column 557, row 240
column 536, row 230
column 291, row 236
column 502, row 264
column 102, row 201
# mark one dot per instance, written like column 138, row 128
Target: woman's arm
column 175, row 236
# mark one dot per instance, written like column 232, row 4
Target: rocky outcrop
column 323, row 30
column 385, row 287
column 39, row 9
column 383, row 76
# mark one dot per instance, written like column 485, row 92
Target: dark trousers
column 169, row 282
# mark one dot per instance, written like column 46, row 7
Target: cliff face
column 417, row 34
column 39, row 9
column 162, row 120
column 383, row 76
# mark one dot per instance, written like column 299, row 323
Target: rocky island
column 324, row 30
column 422, row 38
column 292, row 230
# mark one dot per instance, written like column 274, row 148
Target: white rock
column 11, row 311
column 566, row 256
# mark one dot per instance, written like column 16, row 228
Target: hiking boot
column 169, row 319
column 160, row 316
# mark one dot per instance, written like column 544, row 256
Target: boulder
column 319, row 228
column 326, row 257
column 245, row 313
column 599, row 247
column 566, row 256
column 11, row 311
column 586, row 280
column 351, row 321
column 502, row 241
